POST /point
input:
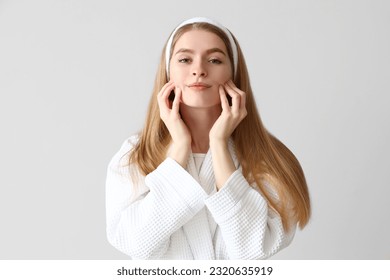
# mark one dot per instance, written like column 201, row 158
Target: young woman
column 204, row 179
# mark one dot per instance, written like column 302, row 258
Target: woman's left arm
column 223, row 128
column 250, row 228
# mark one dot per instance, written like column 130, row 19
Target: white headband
column 200, row 19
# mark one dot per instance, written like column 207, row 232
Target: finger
column 162, row 90
column 240, row 92
column 224, row 101
column 165, row 94
column 235, row 98
column 233, row 86
column 167, row 90
column 162, row 100
column 176, row 101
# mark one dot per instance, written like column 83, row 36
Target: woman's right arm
column 169, row 113
column 140, row 224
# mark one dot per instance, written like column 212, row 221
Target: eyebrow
column 209, row 51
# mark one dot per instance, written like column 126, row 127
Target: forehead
column 200, row 40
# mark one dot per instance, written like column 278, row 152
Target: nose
column 199, row 69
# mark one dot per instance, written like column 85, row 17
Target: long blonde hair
column 265, row 159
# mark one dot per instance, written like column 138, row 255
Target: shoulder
column 121, row 158
column 129, row 143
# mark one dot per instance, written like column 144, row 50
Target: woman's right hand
column 169, row 113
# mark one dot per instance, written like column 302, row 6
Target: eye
column 184, row 60
column 215, row 61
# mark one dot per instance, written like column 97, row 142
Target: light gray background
column 75, row 80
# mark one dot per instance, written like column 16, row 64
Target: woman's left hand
column 231, row 116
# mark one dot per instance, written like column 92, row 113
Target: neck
column 199, row 121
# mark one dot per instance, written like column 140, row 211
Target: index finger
column 240, row 92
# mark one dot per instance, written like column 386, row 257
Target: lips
column 199, row 86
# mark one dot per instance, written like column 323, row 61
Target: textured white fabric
column 198, row 160
column 176, row 213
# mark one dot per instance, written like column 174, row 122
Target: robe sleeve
column 140, row 220
column 250, row 229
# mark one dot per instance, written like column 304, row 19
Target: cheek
column 224, row 75
column 175, row 75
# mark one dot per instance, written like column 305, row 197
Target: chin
column 201, row 100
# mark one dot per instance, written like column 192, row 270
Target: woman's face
column 199, row 64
